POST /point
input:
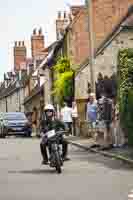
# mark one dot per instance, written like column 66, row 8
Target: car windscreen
column 14, row 116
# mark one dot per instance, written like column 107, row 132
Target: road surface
column 86, row 177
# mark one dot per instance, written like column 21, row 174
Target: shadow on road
column 101, row 160
column 34, row 171
column 109, row 162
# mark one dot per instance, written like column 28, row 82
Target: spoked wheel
column 58, row 169
column 58, row 163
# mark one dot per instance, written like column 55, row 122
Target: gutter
column 9, row 93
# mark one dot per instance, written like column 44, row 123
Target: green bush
column 126, row 91
column 63, row 84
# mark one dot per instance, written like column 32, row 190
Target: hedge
column 125, row 70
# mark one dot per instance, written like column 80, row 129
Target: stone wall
column 81, row 83
column 12, row 102
column 105, row 62
column 33, row 102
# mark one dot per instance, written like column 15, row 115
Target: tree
column 64, row 79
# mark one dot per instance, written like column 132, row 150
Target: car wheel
column 28, row 134
column 2, row 133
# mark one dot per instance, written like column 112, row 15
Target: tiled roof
column 33, row 93
column 129, row 22
column 5, row 92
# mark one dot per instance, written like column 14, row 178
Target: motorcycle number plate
column 51, row 133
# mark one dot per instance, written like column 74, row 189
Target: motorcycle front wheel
column 58, row 162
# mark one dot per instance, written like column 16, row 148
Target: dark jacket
column 105, row 109
column 48, row 125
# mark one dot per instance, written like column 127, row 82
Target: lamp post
column 6, row 86
column 91, row 42
column 6, row 105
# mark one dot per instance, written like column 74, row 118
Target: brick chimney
column 19, row 55
column 61, row 23
column 37, row 43
column 76, row 9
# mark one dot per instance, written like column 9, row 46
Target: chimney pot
column 65, row 15
column 34, row 31
column 40, row 31
column 19, row 43
column 22, row 43
column 59, row 14
column 15, row 43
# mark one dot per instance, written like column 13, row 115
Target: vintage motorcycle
column 55, row 150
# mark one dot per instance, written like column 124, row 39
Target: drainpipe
column 91, row 42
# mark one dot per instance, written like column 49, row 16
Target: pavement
column 86, row 176
column 125, row 153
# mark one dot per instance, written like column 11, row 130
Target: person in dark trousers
column 48, row 124
column 105, row 111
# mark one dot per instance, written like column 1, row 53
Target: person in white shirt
column 74, row 117
column 66, row 117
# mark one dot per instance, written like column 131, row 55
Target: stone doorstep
column 87, row 143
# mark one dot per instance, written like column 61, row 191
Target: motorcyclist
column 47, row 124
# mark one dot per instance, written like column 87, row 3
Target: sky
column 19, row 18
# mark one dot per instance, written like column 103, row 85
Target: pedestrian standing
column 105, row 111
column 34, row 121
column 66, row 117
column 74, row 117
column 91, row 114
column 117, row 133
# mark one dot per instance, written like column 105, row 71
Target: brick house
column 106, row 15
column 78, row 35
column 105, row 58
column 74, row 30
column 12, row 94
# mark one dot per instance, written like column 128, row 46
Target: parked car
column 14, row 123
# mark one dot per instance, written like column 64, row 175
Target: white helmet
column 49, row 107
column 92, row 94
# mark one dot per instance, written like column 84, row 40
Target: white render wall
column 47, row 86
column 105, row 63
column 81, row 83
column 12, row 102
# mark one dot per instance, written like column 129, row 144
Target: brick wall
column 79, row 37
column 37, row 43
column 19, row 55
column 107, row 14
column 106, row 62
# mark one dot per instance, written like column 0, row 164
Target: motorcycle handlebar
column 61, row 132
